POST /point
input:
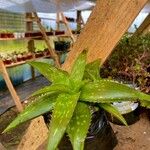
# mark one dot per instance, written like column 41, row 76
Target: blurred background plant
column 130, row 61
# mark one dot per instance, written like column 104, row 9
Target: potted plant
column 62, row 45
column 72, row 96
column 19, row 57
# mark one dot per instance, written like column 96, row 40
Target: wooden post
column 79, row 20
column 143, row 26
column 2, row 147
column 58, row 21
column 108, row 22
column 46, row 38
column 69, row 32
column 31, row 46
column 14, row 95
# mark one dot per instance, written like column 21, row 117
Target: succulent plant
column 70, row 98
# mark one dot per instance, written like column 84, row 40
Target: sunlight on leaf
column 39, row 106
column 77, row 71
column 55, row 88
column 61, row 116
column 106, row 91
column 79, row 125
column 53, row 74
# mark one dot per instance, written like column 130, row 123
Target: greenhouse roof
column 45, row 6
column 50, row 6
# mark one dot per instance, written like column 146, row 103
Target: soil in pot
column 100, row 136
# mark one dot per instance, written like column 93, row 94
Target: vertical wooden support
column 107, row 23
column 31, row 46
column 58, row 21
column 10, row 87
column 79, row 20
column 67, row 27
column 143, row 26
column 46, row 38
column 2, row 147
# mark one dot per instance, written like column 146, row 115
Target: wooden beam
column 143, row 26
column 31, row 45
column 2, row 147
column 11, row 89
column 79, row 20
column 69, row 32
column 108, row 22
column 58, row 20
column 46, row 38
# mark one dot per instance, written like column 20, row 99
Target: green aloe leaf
column 79, row 125
column 53, row 74
column 78, row 68
column 92, row 70
column 54, row 88
column 106, row 91
column 63, row 111
column 145, row 104
column 114, row 111
column 39, row 106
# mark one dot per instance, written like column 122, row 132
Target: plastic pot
column 61, row 45
column 130, row 112
column 100, row 136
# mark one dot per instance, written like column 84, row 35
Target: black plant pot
column 61, row 45
column 100, row 136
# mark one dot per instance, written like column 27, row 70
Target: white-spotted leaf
column 63, row 111
column 79, row 125
column 78, row 68
column 39, row 106
column 53, row 74
column 106, row 91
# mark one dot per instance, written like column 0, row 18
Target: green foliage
column 71, row 97
column 79, row 125
column 53, row 74
column 40, row 105
column 104, row 91
column 76, row 73
column 112, row 110
column 92, row 71
column 130, row 61
column 63, row 111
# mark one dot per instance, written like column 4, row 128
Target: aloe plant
column 70, row 98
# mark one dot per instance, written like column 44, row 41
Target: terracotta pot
column 3, row 35
column 59, row 32
column 7, row 61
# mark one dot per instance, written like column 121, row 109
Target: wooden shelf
column 34, row 35
column 23, row 62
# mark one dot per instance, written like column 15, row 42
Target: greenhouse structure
column 74, row 74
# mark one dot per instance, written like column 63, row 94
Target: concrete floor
column 23, row 90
